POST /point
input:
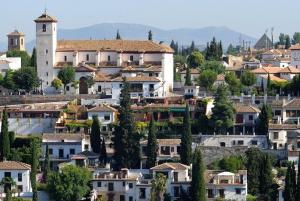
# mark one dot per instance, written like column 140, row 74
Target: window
column 87, row 57
column 210, row 193
column 131, row 58
column 222, row 193
column 44, row 28
column 240, row 142
column 122, row 198
column 238, row 191
column 276, row 135
column 250, row 117
column 7, row 174
column 130, row 185
column 178, row 149
column 104, row 128
column 20, row 188
column 19, row 177
column 61, row 153
column 124, row 183
column 47, row 63
column 99, row 184
column 156, row 74
column 222, row 144
column 176, row 191
column 254, row 142
column 72, row 151
column 142, row 193
column 22, row 41
column 120, row 85
column 106, row 117
column 130, row 198
column 67, row 88
column 108, row 58
column 86, row 147
column 46, row 51
column 298, row 145
column 110, row 186
column 50, row 151
column 47, row 74
column 99, row 88
column 65, row 58
column 11, row 41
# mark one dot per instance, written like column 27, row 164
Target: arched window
column 44, row 28
column 131, row 58
column 22, row 41
column 87, row 57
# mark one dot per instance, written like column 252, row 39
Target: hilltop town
column 140, row 120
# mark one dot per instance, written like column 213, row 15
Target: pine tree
column 33, row 58
column 150, row 35
column 34, row 164
column 192, row 48
column 186, row 139
column 287, row 42
column 118, row 37
column 263, row 120
column 298, row 180
column 198, row 182
column 152, row 145
column 47, row 168
column 95, row 136
column 103, row 155
column 5, row 139
column 188, row 79
column 126, row 140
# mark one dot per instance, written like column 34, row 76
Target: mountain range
column 183, row 36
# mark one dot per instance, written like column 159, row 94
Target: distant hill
column 183, row 36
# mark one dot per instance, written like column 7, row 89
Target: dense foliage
column 198, row 183
column 186, row 139
column 152, row 145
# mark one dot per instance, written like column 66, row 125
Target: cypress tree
column 263, row 120
column 126, row 140
column 186, row 139
column 118, row 37
column 152, row 145
column 103, row 155
column 5, row 139
column 192, row 48
column 253, row 167
column 266, row 181
column 150, row 35
column 298, row 180
column 288, row 191
column 95, row 136
column 188, row 80
column 47, row 168
column 34, row 164
column 293, row 180
column 198, row 182
column 269, row 83
column 33, row 58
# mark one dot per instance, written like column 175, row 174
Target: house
column 195, row 73
column 168, row 150
column 220, row 80
column 106, row 115
column 63, row 146
column 286, row 111
column 20, row 173
column 245, row 119
column 289, row 72
column 295, row 55
column 111, row 58
column 9, row 63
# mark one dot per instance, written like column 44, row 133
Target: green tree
column 215, row 66
column 295, row 85
column 264, row 119
column 5, row 139
column 25, row 58
column 56, row 83
column 288, row 191
column 232, row 163
column 103, row 154
column 26, row 78
column 253, row 165
column 198, row 182
column 248, row 78
column 7, row 183
column 266, row 178
column 33, row 59
column 195, row 59
column 34, row 166
column 296, row 38
column 207, row 79
column 8, row 81
column 159, row 187
column 186, row 139
column 232, row 50
column 298, row 180
column 214, row 50
column 95, row 136
column 69, row 184
column 118, row 37
column 1, row 79
column 67, row 76
column 46, row 168
column 188, row 79
column 233, row 82
column 126, row 140
column 223, row 111
column 150, row 35
column 287, row 42
column 152, row 145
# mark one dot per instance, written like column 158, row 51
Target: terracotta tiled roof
column 14, row 165
column 45, row 18
column 137, row 79
column 153, row 69
column 242, row 108
column 295, row 103
column 102, row 108
column 165, row 141
column 274, row 78
column 283, row 127
column 266, row 70
column 85, row 68
column 193, row 71
column 63, row 136
column 277, row 51
column 170, row 166
column 129, row 69
column 100, row 77
column 112, row 45
column 4, row 62
column 295, row 47
column 290, row 69
column 16, row 33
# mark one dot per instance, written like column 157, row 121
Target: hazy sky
column 252, row 17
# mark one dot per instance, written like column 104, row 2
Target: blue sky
column 252, row 17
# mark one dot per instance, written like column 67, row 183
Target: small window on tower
column 46, row 51
column 22, row 41
column 108, row 58
column 12, row 41
column 65, row 58
column 44, row 28
column 131, row 58
column 87, row 57
column 47, row 63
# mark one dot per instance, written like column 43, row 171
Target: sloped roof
column 266, row 70
column 14, row 165
column 284, row 126
column 170, row 166
column 153, row 69
column 290, row 69
column 103, row 108
column 112, row 45
column 63, row 136
column 85, row 68
column 295, row 47
column 16, row 33
column 45, row 18
column 243, row 108
column 136, row 79
column 263, row 43
column 274, row 78
column 165, row 141
column 101, row 77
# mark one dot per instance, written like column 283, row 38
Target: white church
column 147, row 66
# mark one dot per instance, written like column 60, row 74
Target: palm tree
column 158, row 189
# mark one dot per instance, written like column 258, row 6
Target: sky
column 251, row 17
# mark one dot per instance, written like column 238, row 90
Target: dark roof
column 45, row 18
column 263, row 43
column 16, row 33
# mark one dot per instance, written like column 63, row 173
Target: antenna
column 45, row 7
column 266, row 33
column 272, row 36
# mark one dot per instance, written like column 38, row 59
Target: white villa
column 148, row 66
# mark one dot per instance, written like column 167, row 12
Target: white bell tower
column 46, row 42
